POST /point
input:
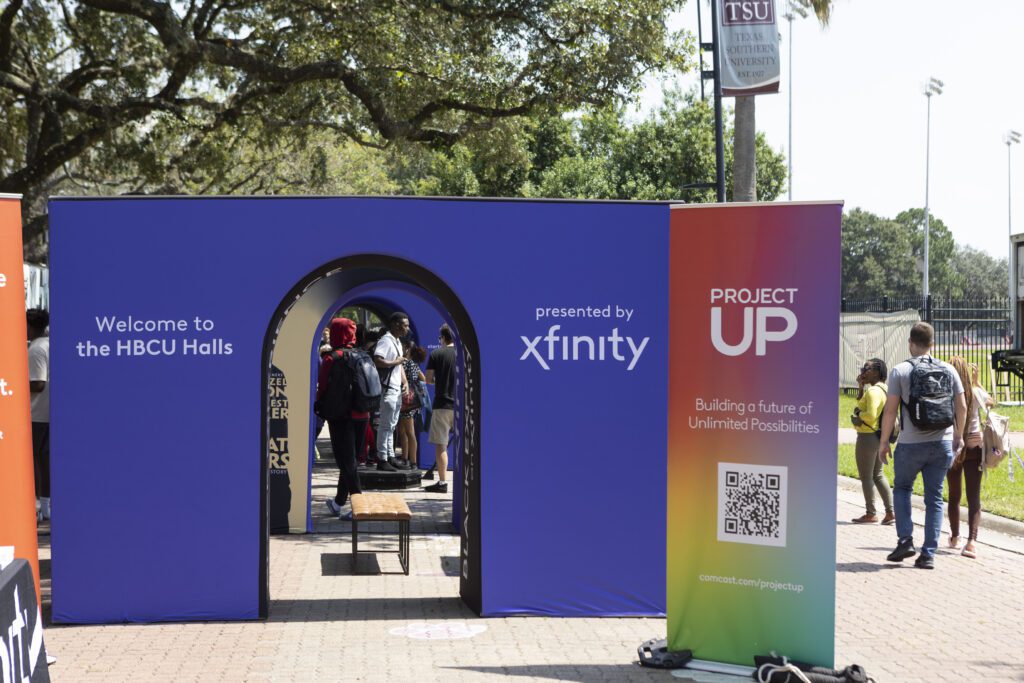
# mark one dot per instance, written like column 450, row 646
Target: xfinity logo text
column 553, row 346
column 760, row 309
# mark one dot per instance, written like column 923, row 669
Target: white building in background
column 37, row 286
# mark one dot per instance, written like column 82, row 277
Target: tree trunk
column 744, row 162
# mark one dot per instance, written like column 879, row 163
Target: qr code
column 752, row 504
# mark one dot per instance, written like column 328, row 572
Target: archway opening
column 286, row 347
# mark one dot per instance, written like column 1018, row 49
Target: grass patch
column 848, row 401
column 999, row 495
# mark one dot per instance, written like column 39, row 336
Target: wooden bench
column 381, row 507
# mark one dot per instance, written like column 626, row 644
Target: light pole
column 1011, row 138
column 793, row 9
column 932, row 87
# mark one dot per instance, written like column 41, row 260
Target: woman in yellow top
column 867, row 420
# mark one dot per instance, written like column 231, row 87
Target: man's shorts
column 441, row 421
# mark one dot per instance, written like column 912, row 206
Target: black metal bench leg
column 355, row 544
column 403, row 544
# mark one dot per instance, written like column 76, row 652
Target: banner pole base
column 715, row 668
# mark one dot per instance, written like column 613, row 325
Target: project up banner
column 17, row 482
column 754, row 328
column 749, row 38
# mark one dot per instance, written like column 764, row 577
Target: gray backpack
column 930, row 404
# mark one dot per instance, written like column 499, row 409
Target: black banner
column 280, row 483
column 22, row 654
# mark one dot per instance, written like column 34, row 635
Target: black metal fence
column 972, row 328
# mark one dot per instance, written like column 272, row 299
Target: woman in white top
column 967, row 465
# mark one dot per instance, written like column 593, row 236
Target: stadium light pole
column 1011, row 138
column 793, row 9
column 932, row 87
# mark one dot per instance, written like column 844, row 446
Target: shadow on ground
column 864, row 567
column 340, row 564
column 1013, row 670
column 372, row 609
column 572, row 672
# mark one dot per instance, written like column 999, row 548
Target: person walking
column 349, row 430
column 407, row 436
column 967, row 465
column 441, row 373
column 932, row 397
column 387, row 356
column 38, row 322
column 867, row 421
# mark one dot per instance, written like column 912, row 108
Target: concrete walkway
column 988, row 520
column 963, row 621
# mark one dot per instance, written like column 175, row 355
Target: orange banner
column 17, row 482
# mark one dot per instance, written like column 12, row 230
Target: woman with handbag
column 411, row 404
column 867, row 420
column 967, row 462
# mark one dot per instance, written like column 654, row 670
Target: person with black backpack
column 931, row 432
column 347, row 389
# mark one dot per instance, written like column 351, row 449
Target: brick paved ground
column 963, row 621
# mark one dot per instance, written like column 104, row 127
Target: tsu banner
column 749, row 38
column 17, row 482
column 752, row 425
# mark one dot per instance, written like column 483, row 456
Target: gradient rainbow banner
column 754, row 328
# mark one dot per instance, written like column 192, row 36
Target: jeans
column 390, row 408
column 932, row 459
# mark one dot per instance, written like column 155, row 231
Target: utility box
column 1016, row 288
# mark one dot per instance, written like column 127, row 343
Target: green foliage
column 230, row 96
column 975, row 274
column 880, row 257
column 595, row 154
column 654, row 159
column 940, row 246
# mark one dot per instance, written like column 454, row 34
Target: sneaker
column 904, row 549
column 865, row 519
column 925, row 562
column 385, row 467
column 439, row 487
column 333, row 507
column 400, row 464
column 429, row 476
column 889, row 519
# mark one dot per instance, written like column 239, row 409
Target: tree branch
column 6, row 23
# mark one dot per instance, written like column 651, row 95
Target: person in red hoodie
column 347, row 434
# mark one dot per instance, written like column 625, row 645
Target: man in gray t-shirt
column 929, row 453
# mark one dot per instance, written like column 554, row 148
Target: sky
column 859, row 112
